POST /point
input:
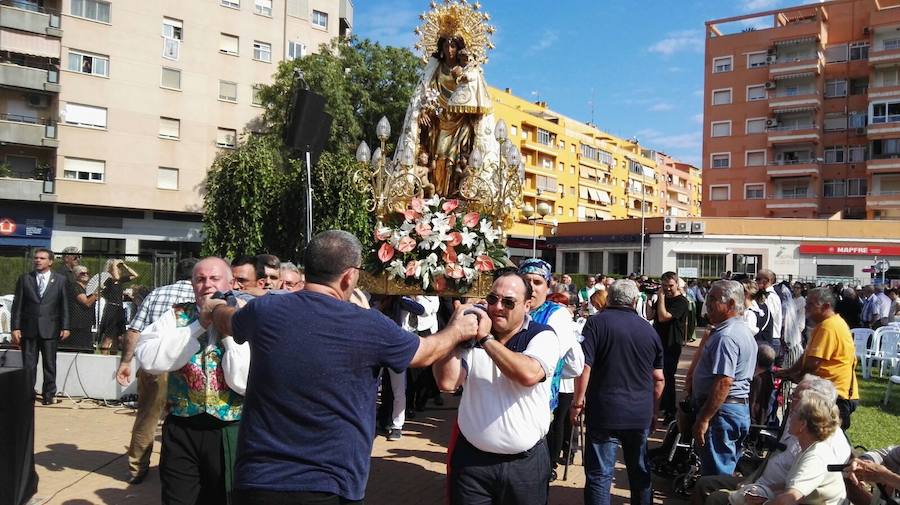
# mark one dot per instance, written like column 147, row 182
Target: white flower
column 430, row 261
column 465, row 260
column 490, row 233
column 469, row 273
column 397, row 269
column 468, row 237
column 407, row 226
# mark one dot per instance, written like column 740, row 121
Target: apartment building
column 802, row 112
column 111, row 112
column 584, row 174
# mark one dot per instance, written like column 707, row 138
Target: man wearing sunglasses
column 504, row 413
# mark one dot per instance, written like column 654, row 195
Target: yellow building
column 580, row 172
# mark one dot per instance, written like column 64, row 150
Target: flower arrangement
column 436, row 245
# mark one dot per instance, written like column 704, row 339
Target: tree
column 255, row 194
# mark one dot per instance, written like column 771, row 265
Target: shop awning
column 594, row 194
column 799, row 108
column 798, row 40
column 798, row 75
column 604, row 197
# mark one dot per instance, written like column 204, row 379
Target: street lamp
column 542, row 211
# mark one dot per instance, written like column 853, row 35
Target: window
column 721, row 128
column 843, row 271
column 890, row 44
column 884, row 77
column 320, row 19
column 886, row 148
column 856, row 187
column 856, row 154
column 885, row 112
column 262, row 51
column 84, row 115
column 298, row 50
column 172, row 36
column 228, row 91
column 834, row 188
column 229, row 44
column 754, row 191
column 544, row 137
column 264, row 7
column 721, row 97
column 254, row 94
column 171, row 78
column 169, row 128
column 835, row 88
column 755, row 158
column 757, row 92
column 595, row 262
column 756, row 60
column 836, row 54
column 546, row 183
column 226, row 137
column 835, row 154
column 747, row 263
column 79, row 169
column 231, row 4
column 757, row 125
column 720, row 192
column 859, row 51
column 96, row 10
column 795, row 189
column 101, row 246
column 707, row 265
column 722, row 64
column 857, row 119
column 570, row 262
column 835, row 121
column 87, row 63
column 167, row 178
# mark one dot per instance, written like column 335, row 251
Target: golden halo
column 455, row 18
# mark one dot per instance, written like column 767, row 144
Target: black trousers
column 560, row 429
column 191, row 462
column 249, row 497
column 483, row 478
column 47, row 348
column 671, row 355
column 846, row 408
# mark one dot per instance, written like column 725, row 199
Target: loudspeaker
column 305, row 121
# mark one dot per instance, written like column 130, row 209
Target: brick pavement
column 80, row 457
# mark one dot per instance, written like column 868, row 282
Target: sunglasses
column 507, row 302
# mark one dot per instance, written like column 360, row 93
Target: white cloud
column 758, row 5
column 661, row 107
column 391, row 25
column 685, row 40
column 545, row 40
column 656, row 139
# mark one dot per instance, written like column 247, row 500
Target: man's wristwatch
column 484, row 340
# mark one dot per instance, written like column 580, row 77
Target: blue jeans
column 726, row 433
column 600, row 463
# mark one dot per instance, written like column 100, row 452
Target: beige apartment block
column 111, row 112
column 802, row 112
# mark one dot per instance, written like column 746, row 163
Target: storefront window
column 707, row 265
column 618, row 263
column 570, row 262
column 747, row 263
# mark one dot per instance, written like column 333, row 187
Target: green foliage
column 255, row 199
column 5, row 170
column 874, row 425
column 11, row 267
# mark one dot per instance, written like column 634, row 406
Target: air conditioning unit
column 771, row 123
column 682, row 228
column 670, row 224
column 770, row 84
column 38, row 101
column 771, row 59
column 698, row 227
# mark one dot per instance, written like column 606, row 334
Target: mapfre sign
column 850, row 249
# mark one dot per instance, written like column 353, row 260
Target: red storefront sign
column 7, row 226
column 850, row 249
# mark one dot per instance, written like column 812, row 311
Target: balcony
column 345, row 13
column 29, row 190
column 808, row 201
column 884, row 166
column 793, row 168
column 29, row 18
column 888, row 128
column 28, row 131
column 883, row 200
column 796, row 103
column 793, row 133
column 590, row 162
column 539, row 147
column 18, row 76
column 783, row 67
column 883, row 56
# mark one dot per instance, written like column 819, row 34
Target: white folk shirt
column 569, row 348
column 499, row 415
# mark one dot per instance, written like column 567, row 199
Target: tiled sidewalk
column 80, row 455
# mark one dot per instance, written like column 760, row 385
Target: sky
column 634, row 67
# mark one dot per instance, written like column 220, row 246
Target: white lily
column 468, row 237
column 489, row 232
column 465, row 260
column 397, row 269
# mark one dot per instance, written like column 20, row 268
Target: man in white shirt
column 765, row 279
column 504, row 414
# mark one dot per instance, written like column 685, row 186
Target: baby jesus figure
column 422, row 170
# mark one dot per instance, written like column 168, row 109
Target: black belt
column 520, row 455
column 740, row 401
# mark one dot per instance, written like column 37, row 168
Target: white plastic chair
column 887, row 349
column 895, row 379
column 860, row 341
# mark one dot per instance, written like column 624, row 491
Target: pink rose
column 386, row 252
column 454, row 271
column 455, row 239
column 484, row 263
column 411, row 269
column 423, row 229
column 471, row 219
column 449, row 205
column 382, row 234
column 439, row 283
column 411, row 215
column 417, row 204
column 450, row 255
column 406, row 244
column 451, row 220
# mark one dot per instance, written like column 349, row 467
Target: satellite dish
column 96, row 282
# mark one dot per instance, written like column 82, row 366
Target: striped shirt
column 159, row 301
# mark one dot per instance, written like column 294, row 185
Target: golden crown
column 455, row 18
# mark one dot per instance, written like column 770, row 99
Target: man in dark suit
column 40, row 318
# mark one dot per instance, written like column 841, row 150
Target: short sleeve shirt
column 309, row 415
column 832, row 342
column 672, row 331
column 730, row 351
column 810, row 476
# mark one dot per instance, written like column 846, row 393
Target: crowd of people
column 532, row 360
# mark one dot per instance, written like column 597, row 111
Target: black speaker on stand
column 307, row 131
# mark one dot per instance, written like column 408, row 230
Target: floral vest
column 199, row 387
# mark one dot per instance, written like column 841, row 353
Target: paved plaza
column 80, row 456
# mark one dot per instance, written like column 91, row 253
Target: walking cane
column 571, row 445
